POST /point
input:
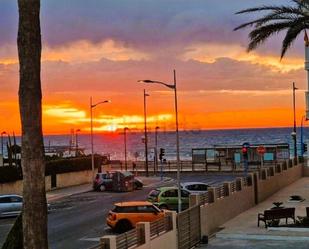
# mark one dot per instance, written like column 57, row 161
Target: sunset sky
column 101, row 48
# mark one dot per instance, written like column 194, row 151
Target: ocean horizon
column 113, row 143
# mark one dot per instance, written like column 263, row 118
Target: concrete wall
column 306, row 171
column 74, row 178
column 17, row 187
column 166, row 240
column 63, row 180
column 272, row 184
column 213, row 215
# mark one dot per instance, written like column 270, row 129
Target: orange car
column 125, row 215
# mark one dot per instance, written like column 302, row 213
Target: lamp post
column 2, row 133
column 174, row 87
column 293, row 134
column 125, row 147
column 91, row 131
column 76, row 142
column 156, row 148
column 145, row 132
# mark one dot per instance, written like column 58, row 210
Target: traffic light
column 162, row 153
column 304, row 147
column 244, row 151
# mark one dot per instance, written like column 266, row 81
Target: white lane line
column 91, row 239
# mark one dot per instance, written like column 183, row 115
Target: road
column 78, row 221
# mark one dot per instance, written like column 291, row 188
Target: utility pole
column 145, row 131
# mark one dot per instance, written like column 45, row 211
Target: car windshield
column 154, row 193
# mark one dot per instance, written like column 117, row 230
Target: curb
column 261, row 237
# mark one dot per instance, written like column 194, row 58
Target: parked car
column 195, row 187
column 103, row 181
column 167, row 198
column 138, row 183
column 10, row 205
column 116, row 181
column 125, row 215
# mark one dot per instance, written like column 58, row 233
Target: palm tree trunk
column 30, row 98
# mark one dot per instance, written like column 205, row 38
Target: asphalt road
column 78, row 221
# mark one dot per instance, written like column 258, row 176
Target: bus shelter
column 231, row 155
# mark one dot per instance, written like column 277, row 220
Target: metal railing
column 220, row 192
column 189, row 227
column 233, row 187
column 128, row 239
column 204, row 198
column 161, row 226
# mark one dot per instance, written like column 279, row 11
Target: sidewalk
column 242, row 231
column 56, row 194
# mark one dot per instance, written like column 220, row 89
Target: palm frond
column 286, row 9
column 293, row 18
column 290, row 36
column 259, row 35
column 268, row 18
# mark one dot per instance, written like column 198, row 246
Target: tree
column 277, row 18
column 30, row 107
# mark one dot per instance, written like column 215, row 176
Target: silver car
column 195, row 187
column 10, row 205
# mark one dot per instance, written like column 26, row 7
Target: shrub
column 71, row 165
column 10, row 174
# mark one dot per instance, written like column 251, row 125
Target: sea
column 113, row 143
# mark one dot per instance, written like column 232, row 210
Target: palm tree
column 277, row 18
column 34, row 216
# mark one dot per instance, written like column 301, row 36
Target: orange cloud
column 77, row 52
column 211, row 52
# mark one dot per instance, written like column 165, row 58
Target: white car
column 10, row 205
column 195, row 187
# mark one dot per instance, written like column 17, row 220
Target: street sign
column 261, row 150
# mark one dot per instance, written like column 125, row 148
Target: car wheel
column 123, row 226
column 102, row 188
column 163, row 206
column 137, row 186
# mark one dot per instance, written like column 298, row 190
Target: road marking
column 91, row 239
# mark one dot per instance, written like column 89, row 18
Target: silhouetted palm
column 293, row 19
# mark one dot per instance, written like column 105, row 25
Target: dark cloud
column 119, row 76
column 159, row 26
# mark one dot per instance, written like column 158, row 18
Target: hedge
column 59, row 166
column 10, row 174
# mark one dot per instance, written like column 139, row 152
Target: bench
column 276, row 214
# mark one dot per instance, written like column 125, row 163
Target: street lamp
column 91, row 129
column 125, row 147
column 174, row 87
column 76, row 142
column 293, row 134
column 156, row 148
column 2, row 133
column 145, row 132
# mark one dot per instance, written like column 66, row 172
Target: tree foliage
column 291, row 19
